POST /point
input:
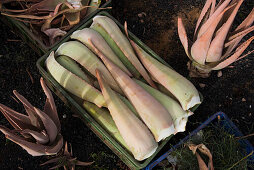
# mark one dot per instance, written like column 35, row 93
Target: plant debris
column 224, row 148
column 48, row 17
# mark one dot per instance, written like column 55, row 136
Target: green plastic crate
column 123, row 154
column 23, row 31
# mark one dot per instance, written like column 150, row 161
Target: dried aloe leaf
column 204, row 150
column 53, row 34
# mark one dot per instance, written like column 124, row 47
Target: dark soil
column 154, row 22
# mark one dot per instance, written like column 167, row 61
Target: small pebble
column 250, row 114
column 243, row 100
column 243, row 118
column 219, row 74
column 250, row 106
column 64, row 116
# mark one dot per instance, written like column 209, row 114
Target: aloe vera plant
column 137, row 136
column 154, row 114
column 38, row 132
column 215, row 44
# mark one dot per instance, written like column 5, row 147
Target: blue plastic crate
column 222, row 120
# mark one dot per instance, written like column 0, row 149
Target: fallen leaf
column 53, row 34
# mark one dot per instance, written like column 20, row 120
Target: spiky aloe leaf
column 73, row 83
column 122, row 43
column 216, row 47
column 153, row 114
column 49, row 125
column 180, row 87
column 175, row 110
column 50, row 107
column 88, row 33
column 139, row 139
column 116, row 49
column 81, row 54
column 34, row 149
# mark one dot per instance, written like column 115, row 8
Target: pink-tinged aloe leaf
column 122, row 42
column 219, row 4
column 154, row 115
column 183, row 37
column 51, row 111
column 248, row 53
column 80, row 163
column 59, row 166
column 34, row 119
column 23, row 100
column 66, row 150
column 246, row 23
column 202, row 15
column 212, row 8
column 242, row 33
column 216, row 13
column 201, row 163
column 234, row 42
column 56, row 146
column 40, row 137
column 17, row 120
column 53, row 160
column 53, row 34
column 33, row 148
column 179, row 86
column 136, row 135
column 49, row 125
column 139, row 51
column 235, row 56
column 216, row 48
column 201, row 45
column 99, row 42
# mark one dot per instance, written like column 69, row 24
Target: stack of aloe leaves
column 135, row 97
column 49, row 20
